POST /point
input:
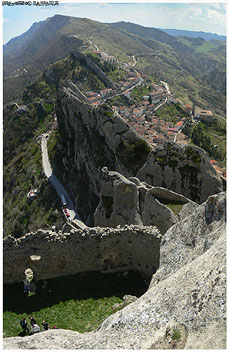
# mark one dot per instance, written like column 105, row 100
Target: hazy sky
column 205, row 16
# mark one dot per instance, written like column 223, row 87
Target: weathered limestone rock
column 93, row 249
column 119, row 202
column 185, row 170
column 92, row 138
column 180, row 245
column 184, row 308
column 158, row 214
column 128, row 201
column 170, row 336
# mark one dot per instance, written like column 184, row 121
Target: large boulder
column 91, row 138
column 185, row 170
column 119, row 201
column 129, row 201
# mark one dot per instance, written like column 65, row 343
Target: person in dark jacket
column 23, row 324
column 45, row 325
column 32, row 320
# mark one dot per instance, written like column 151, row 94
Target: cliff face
column 185, row 170
column 91, row 139
column 129, row 201
column 186, row 299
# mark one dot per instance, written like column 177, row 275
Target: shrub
column 176, row 335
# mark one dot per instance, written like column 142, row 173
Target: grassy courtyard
column 78, row 302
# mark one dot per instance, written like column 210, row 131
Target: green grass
column 206, row 46
column 117, row 75
column 176, row 335
column 78, row 302
column 175, row 207
column 170, row 113
column 139, row 91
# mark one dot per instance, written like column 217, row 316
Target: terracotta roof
column 180, row 123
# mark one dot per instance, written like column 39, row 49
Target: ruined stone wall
column 94, row 249
column 94, row 68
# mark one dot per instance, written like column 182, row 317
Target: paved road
column 135, row 61
column 54, row 180
column 166, row 86
column 160, row 104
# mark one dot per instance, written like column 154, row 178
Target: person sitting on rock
column 45, row 325
column 35, row 328
column 23, row 324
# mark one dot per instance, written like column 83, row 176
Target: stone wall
column 94, row 68
column 187, row 294
column 94, row 249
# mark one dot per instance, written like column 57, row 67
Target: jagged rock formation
column 197, row 235
column 185, row 170
column 91, row 138
column 93, row 249
column 129, row 201
column 185, row 304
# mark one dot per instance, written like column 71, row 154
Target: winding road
column 54, row 180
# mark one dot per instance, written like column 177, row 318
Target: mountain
column 150, row 33
column 36, row 44
column 115, row 174
column 187, row 66
column 25, row 56
column 193, row 34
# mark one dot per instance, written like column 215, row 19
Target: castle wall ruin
column 51, row 254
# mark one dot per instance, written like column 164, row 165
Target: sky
column 207, row 17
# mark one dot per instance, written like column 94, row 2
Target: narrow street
column 160, row 104
column 61, row 191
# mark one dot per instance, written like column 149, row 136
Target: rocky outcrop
column 93, row 249
column 185, row 170
column 92, row 138
column 197, row 235
column 129, row 201
column 185, row 306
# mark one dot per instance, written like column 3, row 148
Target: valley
column 114, row 164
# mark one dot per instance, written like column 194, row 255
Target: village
column 141, row 115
